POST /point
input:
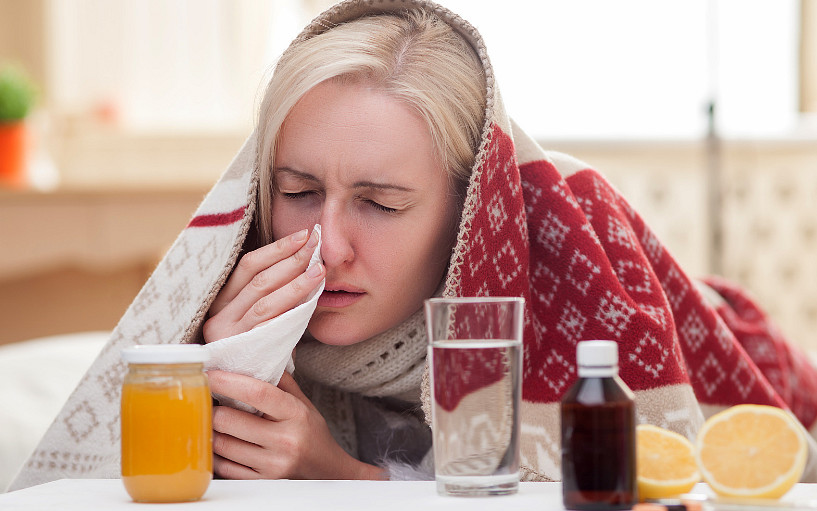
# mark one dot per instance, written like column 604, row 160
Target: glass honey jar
column 166, row 415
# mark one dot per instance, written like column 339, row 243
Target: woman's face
column 361, row 164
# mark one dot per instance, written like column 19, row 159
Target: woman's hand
column 265, row 283
column 289, row 441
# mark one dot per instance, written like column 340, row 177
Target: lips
column 340, row 296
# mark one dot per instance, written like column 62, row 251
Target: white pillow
column 36, row 378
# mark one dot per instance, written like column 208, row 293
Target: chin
column 334, row 329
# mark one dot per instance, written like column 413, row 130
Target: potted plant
column 17, row 95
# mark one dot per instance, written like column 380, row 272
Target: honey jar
column 166, row 414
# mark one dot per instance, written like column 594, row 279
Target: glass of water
column 475, row 354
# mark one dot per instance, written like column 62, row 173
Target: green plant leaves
column 17, row 94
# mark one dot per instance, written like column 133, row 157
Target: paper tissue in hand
column 265, row 351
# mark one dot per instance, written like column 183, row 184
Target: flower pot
column 13, row 149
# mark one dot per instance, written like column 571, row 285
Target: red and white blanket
column 551, row 228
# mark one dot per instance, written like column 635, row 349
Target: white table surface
column 280, row 495
column 284, row 495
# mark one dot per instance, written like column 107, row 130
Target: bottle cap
column 165, row 354
column 597, row 358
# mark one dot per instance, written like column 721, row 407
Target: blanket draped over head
column 535, row 224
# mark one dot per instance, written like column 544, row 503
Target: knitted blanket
column 536, row 224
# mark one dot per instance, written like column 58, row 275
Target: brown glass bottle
column 598, row 433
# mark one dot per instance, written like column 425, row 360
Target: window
column 584, row 69
column 643, row 69
column 168, row 65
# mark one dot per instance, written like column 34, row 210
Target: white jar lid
column 165, row 354
column 597, row 357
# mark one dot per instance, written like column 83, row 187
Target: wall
column 73, row 261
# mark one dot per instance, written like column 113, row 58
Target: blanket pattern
column 554, row 231
column 590, row 268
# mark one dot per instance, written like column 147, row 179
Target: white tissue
column 265, row 351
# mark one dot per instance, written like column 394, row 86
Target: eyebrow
column 357, row 184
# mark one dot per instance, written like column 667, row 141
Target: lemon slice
column 665, row 463
column 752, row 451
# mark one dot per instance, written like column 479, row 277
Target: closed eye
column 368, row 202
column 380, row 207
column 296, row 195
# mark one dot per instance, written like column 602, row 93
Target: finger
column 253, row 262
column 271, row 279
column 269, row 399
column 283, row 299
column 229, row 469
column 240, row 451
column 290, row 386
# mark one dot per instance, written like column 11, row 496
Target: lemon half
column 751, row 451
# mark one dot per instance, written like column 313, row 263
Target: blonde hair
column 413, row 56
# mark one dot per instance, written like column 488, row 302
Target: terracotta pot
column 13, row 145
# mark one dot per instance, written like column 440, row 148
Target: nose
column 336, row 245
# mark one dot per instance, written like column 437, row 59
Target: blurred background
column 700, row 111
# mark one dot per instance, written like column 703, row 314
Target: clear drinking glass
column 475, row 354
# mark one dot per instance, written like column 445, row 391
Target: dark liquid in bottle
column 598, row 446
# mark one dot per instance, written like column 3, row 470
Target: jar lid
column 165, row 354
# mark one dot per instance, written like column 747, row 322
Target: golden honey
column 167, row 453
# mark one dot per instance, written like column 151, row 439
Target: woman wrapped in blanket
column 383, row 123
column 388, row 130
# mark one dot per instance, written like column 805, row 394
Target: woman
column 369, row 129
column 389, row 131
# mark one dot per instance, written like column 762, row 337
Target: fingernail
column 313, row 240
column 300, row 235
column 314, row 270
